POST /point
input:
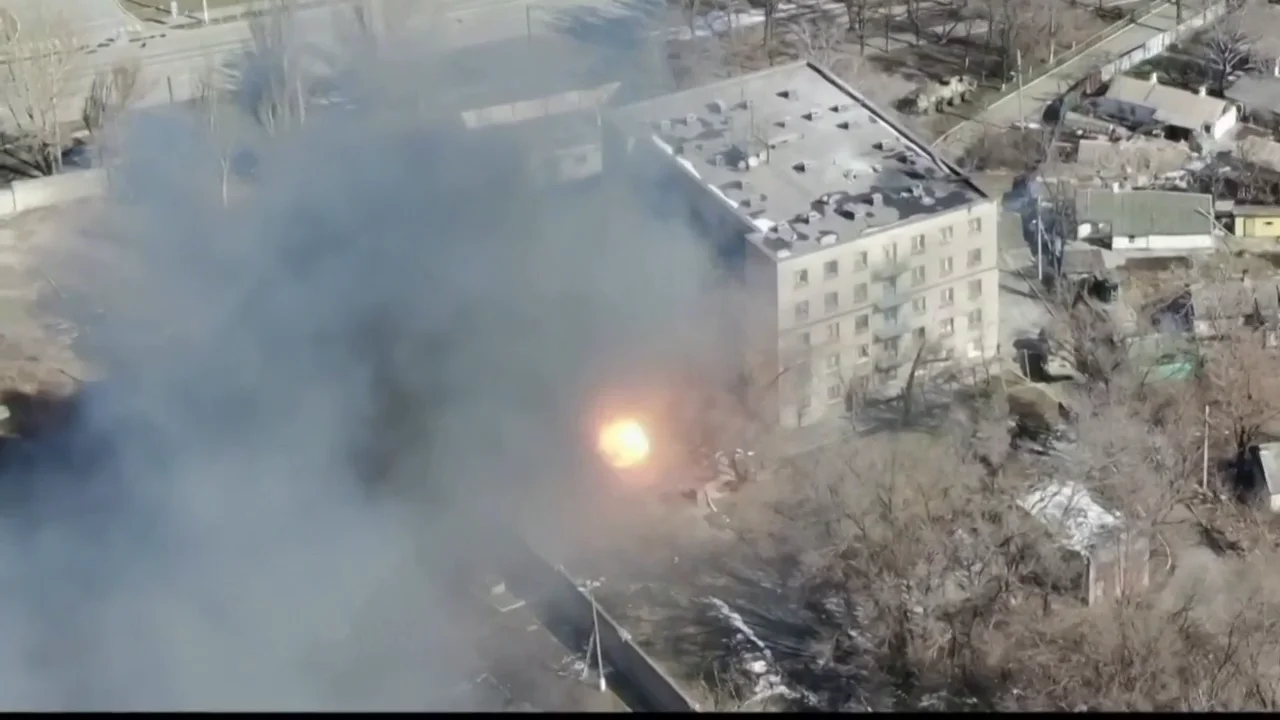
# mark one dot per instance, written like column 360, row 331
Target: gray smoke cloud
column 314, row 403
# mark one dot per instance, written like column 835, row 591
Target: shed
column 1141, row 102
column 1263, row 473
column 1258, row 96
column 1116, row 560
column 1256, row 220
column 1145, row 219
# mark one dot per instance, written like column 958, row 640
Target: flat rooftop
column 802, row 156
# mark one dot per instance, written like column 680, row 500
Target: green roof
column 1137, row 213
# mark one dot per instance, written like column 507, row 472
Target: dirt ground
column 37, row 343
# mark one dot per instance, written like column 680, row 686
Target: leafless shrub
column 35, row 79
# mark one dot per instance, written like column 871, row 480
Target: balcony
column 887, row 361
column 890, row 269
column 889, row 329
column 891, row 298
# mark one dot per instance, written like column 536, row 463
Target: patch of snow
column 1069, row 506
column 754, row 657
column 720, row 194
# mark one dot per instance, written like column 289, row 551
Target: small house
column 1258, row 96
column 1152, row 220
column 1262, row 473
column 1142, row 102
column 1112, row 561
column 1261, row 221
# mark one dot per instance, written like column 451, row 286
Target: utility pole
column 1204, row 470
column 204, row 7
column 1018, row 69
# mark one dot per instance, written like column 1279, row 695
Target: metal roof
column 1173, row 106
column 1138, row 213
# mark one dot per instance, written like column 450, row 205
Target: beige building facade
column 859, row 250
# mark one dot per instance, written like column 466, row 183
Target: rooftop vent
column 827, row 238
column 664, row 126
column 850, row 176
column 717, row 107
column 743, row 105
column 877, row 199
column 802, row 166
column 841, row 107
column 813, row 114
column 789, row 94
column 781, row 123
column 785, row 232
column 916, row 190
column 690, row 119
column 734, row 185
column 844, row 125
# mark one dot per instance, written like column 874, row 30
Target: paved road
column 92, row 20
column 1038, row 94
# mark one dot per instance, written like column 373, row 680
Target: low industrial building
column 1111, row 561
column 1145, row 102
column 1152, row 220
column 863, row 254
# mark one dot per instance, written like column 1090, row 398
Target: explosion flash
column 623, row 443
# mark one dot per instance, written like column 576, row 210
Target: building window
column 804, row 402
column 918, row 304
column 830, row 269
column 802, row 311
column 917, row 244
column 946, row 233
column 975, row 289
column 833, row 331
column 861, row 324
column 891, row 347
column 975, row 319
column 975, row 257
column 890, row 374
column 918, row 335
column 833, row 361
column 917, row 275
column 860, row 292
column 802, row 278
column 948, row 297
column 947, row 327
column 834, row 392
column 830, row 302
column 805, row 340
column 948, row 353
column 891, row 316
column 864, row 352
column 891, row 252
column 975, row 226
column 860, row 261
column 944, row 266
column 974, row 349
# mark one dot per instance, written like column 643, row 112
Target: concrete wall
column 20, row 196
column 1201, row 241
column 565, row 609
column 1161, row 42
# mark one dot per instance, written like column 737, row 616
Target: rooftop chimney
column 1202, row 91
column 1153, row 78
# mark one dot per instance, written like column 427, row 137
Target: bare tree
column 274, row 83
column 37, row 69
column 817, row 39
column 858, row 17
column 109, row 95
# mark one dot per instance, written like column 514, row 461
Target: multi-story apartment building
column 858, row 247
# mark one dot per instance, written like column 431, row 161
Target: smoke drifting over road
column 315, row 399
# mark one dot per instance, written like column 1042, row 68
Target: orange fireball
column 623, row 443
